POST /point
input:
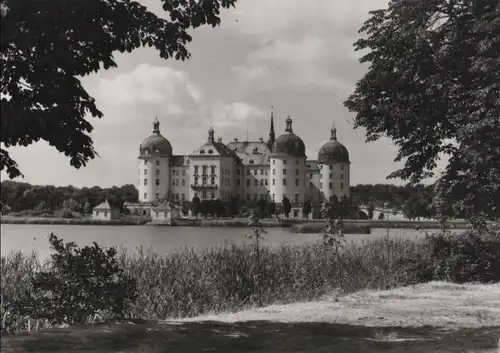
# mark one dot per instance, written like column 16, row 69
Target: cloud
column 130, row 101
column 301, row 45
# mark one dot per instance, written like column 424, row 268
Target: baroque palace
column 248, row 170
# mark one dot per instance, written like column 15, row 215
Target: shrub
column 77, row 284
column 472, row 256
column 64, row 213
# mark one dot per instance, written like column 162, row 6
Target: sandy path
column 435, row 304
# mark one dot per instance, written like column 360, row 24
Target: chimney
column 235, row 140
column 219, row 139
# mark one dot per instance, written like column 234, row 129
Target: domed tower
column 334, row 164
column 288, row 167
column 155, row 153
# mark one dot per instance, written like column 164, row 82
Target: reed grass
column 224, row 279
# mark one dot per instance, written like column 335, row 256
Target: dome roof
column 333, row 151
column 156, row 144
column 289, row 144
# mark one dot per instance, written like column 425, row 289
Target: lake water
column 161, row 240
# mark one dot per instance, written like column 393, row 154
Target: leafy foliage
column 46, row 46
column 287, row 206
column 257, row 233
column 307, row 209
column 433, row 88
column 23, row 196
column 473, row 256
column 195, row 205
column 80, row 283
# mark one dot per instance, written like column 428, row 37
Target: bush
column 472, row 256
column 64, row 213
column 77, row 284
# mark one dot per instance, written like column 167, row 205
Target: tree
column 371, row 208
column 381, row 216
column 433, row 88
column 234, row 206
column 205, row 208
column 195, row 206
column 46, row 46
column 271, row 208
column 218, row 206
column 306, row 209
column 334, row 207
column 287, row 206
column 262, row 207
column 87, row 208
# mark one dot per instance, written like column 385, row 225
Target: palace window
column 284, row 181
column 145, row 181
column 195, row 180
column 212, row 169
column 248, row 182
column 284, row 171
column 284, row 161
column 204, row 180
column 212, row 180
column 342, row 186
column 145, row 172
column 157, row 182
column 330, row 186
column 297, row 172
column 297, row 182
column 157, row 162
column 157, row 172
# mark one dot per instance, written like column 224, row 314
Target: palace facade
column 248, row 170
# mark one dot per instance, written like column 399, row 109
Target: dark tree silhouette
column 46, row 46
column 432, row 87
column 195, row 206
column 287, row 207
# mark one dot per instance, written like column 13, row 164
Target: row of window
column 174, row 172
column 204, row 169
column 330, row 176
column 297, row 162
column 158, row 162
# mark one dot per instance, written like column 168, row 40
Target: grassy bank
column 225, row 279
column 74, row 221
column 319, row 227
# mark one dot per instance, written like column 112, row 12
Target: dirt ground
column 434, row 317
column 254, row 337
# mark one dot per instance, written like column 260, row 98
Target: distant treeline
column 23, row 196
column 414, row 202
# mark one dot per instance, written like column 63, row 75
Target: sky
column 295, row 55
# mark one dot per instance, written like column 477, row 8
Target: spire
column 211, row 134
column 156, row 126
column 334, row 133
column 288, row 122
column 272, row 135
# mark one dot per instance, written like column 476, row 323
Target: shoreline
column 295, row 225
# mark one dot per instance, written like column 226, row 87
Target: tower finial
column 272, row 136
column 334, row 132
column 156, row 125
column 211, row 134
column 288, row 122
